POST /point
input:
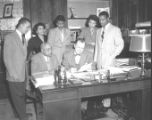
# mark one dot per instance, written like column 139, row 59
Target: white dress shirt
column 19, row 34
column 77, row 58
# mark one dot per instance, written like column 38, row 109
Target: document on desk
column 115, row 70
column 130, row 68
column 86, row 67
column 121, row 61
column 43, row 79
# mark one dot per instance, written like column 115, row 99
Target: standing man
column 109, row 42
column 15, row 53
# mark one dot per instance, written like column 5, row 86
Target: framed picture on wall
column 8, row 8
column 107, row 9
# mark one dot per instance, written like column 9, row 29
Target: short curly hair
column 94, row 18
column 36, row 27
column 59, row 18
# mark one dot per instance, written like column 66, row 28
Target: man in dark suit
column 15, row 54
column 78, row 57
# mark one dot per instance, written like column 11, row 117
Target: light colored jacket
column 112, row 45
column 15, row 54
column 59, row 46
column 38, row 63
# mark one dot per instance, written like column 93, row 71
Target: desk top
column 81, row 91
column 138, row 81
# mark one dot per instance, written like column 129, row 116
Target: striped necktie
column 102, row 35
column 23, row 39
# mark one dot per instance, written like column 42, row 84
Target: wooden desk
column 65, row 103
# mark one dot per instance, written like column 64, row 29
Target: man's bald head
column 46, row 49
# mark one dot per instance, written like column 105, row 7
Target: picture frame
column 8, row 9
column 107, row 9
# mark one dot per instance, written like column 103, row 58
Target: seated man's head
column 46, row 49
column 79, row 45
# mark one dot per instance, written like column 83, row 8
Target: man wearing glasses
column 44, row 61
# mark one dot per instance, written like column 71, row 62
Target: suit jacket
column 107, row 49
column 15, row 54
column 38, row 63
column 69, row 59
column 58, row 46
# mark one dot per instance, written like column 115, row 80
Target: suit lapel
column 73, row 58
column 82, row 59
column 18, row 40
column 43, row 61
column 99, row 37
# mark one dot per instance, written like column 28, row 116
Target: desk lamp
column 141, row 43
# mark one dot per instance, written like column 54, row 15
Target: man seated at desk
column 78, row 59
column 44, row 61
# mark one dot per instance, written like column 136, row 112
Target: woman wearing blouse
column 37, row 39
column 59, row 37
column 89, row 32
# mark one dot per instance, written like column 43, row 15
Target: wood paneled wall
column 44, row 10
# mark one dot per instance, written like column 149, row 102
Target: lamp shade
column 140, row 43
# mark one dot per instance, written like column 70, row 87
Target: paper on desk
column 129, row 68
column 86, row 67
column 44, row 81
column 122, row 69
column 115, row 70
column 121, row 61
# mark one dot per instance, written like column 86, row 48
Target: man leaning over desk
column 44, row 61
column 78, row 59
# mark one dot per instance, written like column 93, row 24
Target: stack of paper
column 122, row 61
column 86, row 67
column 115, row 70
column 130, row 68
column 43, row 79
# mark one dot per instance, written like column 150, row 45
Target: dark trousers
column 17, row 96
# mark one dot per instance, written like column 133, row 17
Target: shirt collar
column 19, row 33
column 76, row 54
column 106, row 26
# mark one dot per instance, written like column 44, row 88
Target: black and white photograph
column 75, row 60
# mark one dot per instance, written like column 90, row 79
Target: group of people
column 95, row 44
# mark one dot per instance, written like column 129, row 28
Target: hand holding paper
column 86, row 67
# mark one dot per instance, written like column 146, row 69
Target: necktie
column 23, row 39
column 102, row 35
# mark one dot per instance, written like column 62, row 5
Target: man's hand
column 86, row 67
